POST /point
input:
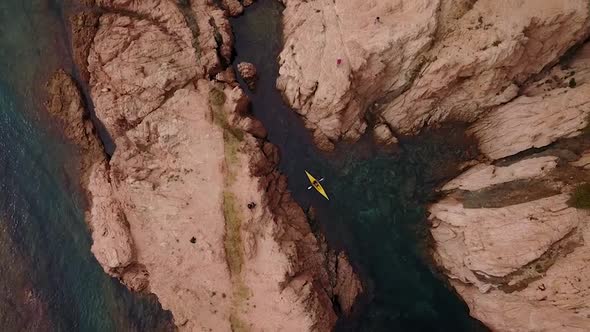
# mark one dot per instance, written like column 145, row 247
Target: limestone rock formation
column 171, row 212
column 418, row 63
column 248, row 73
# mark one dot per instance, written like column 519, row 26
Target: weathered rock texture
column 505, row 234
column 517, row 72
column 520, row 265
column 248, row 73
column 171, row 212
column 418, row 63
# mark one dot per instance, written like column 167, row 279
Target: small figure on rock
column 248, row 73
column 338, row 62
column 251, row 205
column 193, row 240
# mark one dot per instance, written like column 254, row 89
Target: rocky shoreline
column 506, row 232
column 192, row 193
column 190, row 206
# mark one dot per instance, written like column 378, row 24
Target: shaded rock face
column 177, row 193
column 416, row 64
column 66, row 106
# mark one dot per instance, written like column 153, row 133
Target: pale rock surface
column 519, row 267
column 583, row 162
column 382, row 135
column 417, row 63
column 485, row 238
column 481, row 175
column 378, row 56
column 533, row 122
column 495, row 47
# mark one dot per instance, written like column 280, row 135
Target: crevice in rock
column 219, row 41
column 507, row 194
column 185, row 7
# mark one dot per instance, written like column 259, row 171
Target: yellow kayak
column 315, row 183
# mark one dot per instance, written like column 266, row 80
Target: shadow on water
column 50, row 280
column 378, row 197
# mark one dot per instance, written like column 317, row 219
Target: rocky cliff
column 190, row 206
column 419, row 63
column 510, row 232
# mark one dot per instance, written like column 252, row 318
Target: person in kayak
column 315, row 183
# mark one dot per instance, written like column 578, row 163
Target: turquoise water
column 49, row 279
column 378, row 197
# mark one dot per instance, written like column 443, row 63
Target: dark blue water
column 377, row 207
column 49, row 279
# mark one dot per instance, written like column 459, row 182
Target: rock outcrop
column 514, row 248
column 191, row 206
column 235, row 7
column 507, row 234
column 419, row 63
column 382, row 135
column 248, row 73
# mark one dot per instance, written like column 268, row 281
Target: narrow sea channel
column 377, row 210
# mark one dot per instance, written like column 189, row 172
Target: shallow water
column 377, row 201
column 49, row 280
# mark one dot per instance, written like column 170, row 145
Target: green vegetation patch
column 233, row 239
column 237, row 325
column 220, row 119
column 580, row 197
column 216, row 97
